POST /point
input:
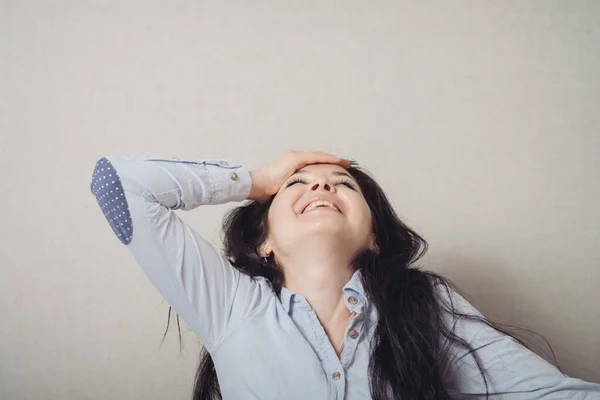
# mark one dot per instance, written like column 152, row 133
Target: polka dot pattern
column 107, row 187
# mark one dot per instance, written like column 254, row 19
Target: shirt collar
column 286, row 296
column 353, row 288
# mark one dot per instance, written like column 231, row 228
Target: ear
column 263, row 250
column 374, row 247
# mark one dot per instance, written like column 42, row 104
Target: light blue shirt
column 266, row 347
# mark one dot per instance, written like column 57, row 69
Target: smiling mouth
column 322, row 205
column 321, row 209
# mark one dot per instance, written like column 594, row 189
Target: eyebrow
column 336, row 173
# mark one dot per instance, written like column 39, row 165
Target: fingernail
column 352, row 161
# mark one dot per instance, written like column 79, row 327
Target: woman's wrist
column 257, row 193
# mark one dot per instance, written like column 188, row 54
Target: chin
column 327, row 227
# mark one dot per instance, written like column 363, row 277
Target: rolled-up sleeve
column 513, row 372
column 137, row 195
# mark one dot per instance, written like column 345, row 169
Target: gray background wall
column 479, row 118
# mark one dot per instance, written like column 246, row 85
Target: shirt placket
column 354, row 330
column 337, row 367
column 320, row 343
column 334, row 367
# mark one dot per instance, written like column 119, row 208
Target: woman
column 316, row 295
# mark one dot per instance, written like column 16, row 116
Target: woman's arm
column 137, row 195
column 512, row 371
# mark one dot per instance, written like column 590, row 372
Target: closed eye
column 346, row 183
column 294, row 181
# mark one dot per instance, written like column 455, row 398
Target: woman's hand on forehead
column 267, row 180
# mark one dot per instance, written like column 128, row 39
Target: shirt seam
column 197, row 322
column 211, row 182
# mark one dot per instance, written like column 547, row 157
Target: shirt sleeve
column 137, row 195
column 512, row 371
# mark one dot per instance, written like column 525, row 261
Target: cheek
column 363, row 218
column 359, row 209
column 367, row 220
column 279, row 209
column 279, row 216
column 283, row 204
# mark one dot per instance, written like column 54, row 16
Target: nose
column 326, row 186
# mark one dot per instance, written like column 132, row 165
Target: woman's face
column 320, row 202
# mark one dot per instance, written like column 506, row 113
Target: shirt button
column 224, row 163
column 352, row 300
column 233, row 176
column 335, row 376
column 353, row 334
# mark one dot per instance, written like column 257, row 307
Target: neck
column 320, row 276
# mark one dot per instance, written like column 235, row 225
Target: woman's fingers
column 314, row 157
column 266, row 181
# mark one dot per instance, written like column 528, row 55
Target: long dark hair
column 408, row 359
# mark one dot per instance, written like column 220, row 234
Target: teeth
column 318, row 203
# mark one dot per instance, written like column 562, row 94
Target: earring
column 266, row 254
